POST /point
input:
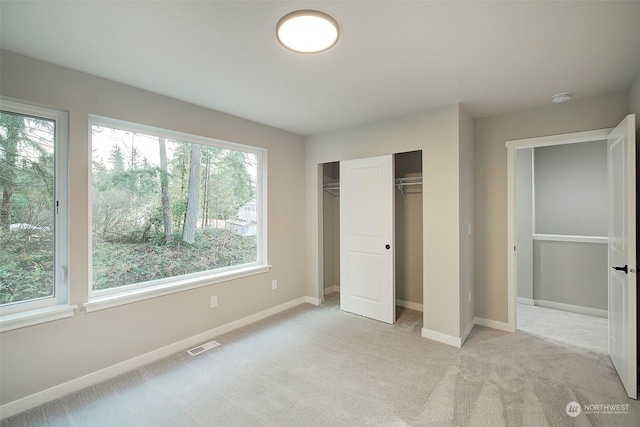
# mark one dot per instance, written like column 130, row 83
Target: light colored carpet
column 319, row 366
column 574, row 329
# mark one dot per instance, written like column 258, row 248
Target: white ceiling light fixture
column 561, row 97
column 307, row 31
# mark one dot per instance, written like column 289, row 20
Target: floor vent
column 202, row 348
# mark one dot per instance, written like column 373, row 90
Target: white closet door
column 367, row 270
column 622, row 254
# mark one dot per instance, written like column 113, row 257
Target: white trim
column 570, row 238
column 31, row 401
column 512, row 146
column 125, row 294
column 493, row 324
column 60, row 296
column 567, row 138
column 525, row 301
column 511, row 241
column 410, row 305
column 312, row 300
column 33, row 317
column 140, row 294
column 442, row 338
column 572, row 308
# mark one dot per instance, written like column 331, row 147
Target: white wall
column 38, row 357
column 436, row 133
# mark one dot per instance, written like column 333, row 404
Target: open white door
column 622, row 254
column 367, row 276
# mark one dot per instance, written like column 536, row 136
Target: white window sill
column 141, row 294
column 33, row 317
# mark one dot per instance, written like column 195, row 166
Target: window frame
column 24, row 313
column 125, row 294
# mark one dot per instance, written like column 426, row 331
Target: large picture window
column 171, row 208
column 33, row 208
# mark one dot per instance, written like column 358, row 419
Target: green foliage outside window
column 26, row 207
column 160, row 207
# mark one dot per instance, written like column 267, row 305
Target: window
column 33, row 214
column 168, row 211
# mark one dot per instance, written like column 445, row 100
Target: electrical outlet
column 214, row 301
column 274, row 284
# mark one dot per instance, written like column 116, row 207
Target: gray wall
column 634, row 101
column 571, row 273
column 490, row 181
column 524, row 222
column 571, row 189
column 408, row 230
column 331, row 227
column 571, row 196
column 36, row 358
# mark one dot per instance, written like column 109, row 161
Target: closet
column 407, row 205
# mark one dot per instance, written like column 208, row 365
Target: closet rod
column 403, row 182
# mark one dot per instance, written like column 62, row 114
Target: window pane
column 26, row 208
column 164, row 208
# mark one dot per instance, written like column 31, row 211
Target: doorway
column 407, row 203
column 561, row 236
column 621, row 239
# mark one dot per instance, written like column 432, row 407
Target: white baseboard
column 493, row 324
column 443, row 338
column 526, row 301
column 314, row 301
column 44, row 396
column 410, row 305
column 572, row 308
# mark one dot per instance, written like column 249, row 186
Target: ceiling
column 393, row 58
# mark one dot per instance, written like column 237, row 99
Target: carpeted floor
column 319, row 366
column 563, row 327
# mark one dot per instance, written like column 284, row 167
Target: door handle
column 387, row 246
column 621, row 269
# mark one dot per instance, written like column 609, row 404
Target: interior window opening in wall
column 172, row 209
column 33, row 209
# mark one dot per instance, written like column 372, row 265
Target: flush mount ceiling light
column 561, row 97
column 307, row 31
